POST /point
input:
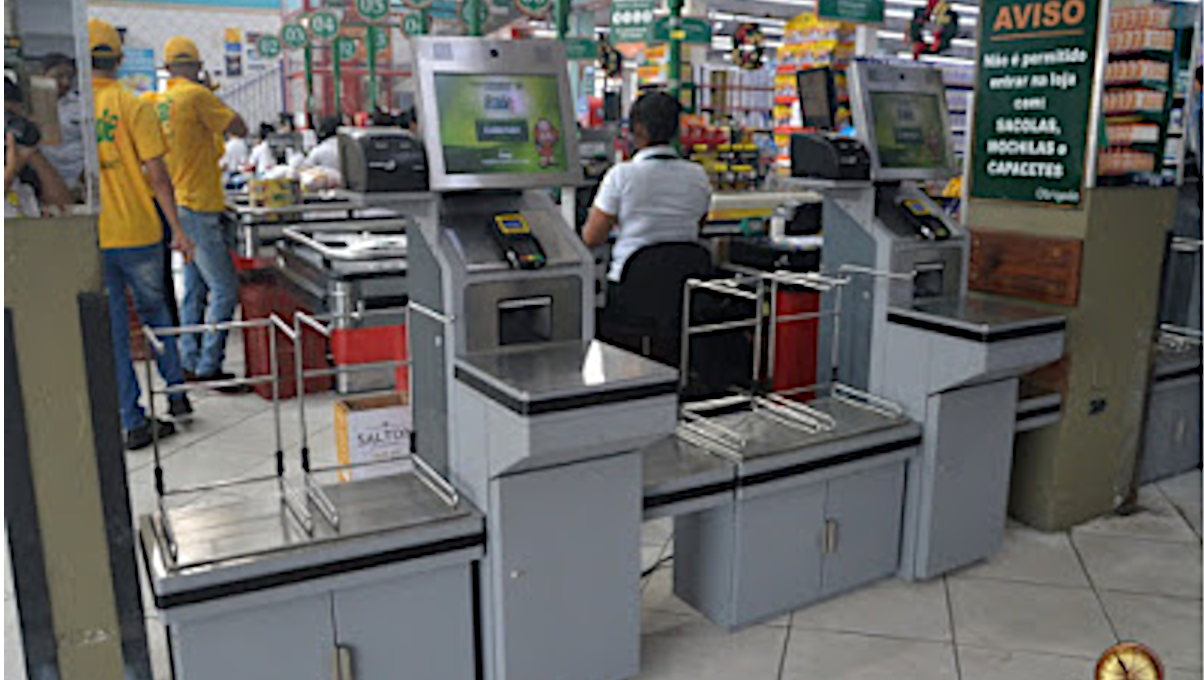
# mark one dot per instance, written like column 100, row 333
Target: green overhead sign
column 630, row 20
column 294, row 35
column 852, row 11
column 1031, row 101
column 581, row 49
column 324, row 25
column 372, row 9
column 688, row 30
column 345, row 47
column 412, row 24
column 268, row 46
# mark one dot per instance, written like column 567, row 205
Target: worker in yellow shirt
column 129, row 141
column 194, row 121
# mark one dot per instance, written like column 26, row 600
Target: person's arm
column 160, row 182
column 604, row 213
column 16, row 157
column 216, row 116
column 597, row 227
column 54, row 190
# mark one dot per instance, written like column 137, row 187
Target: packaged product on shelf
column 1129, row 101
column 1141, row 40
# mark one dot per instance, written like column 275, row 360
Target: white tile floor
column 1043, row 609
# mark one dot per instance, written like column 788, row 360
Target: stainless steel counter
column 977, row 317
column 767, row 437
column 254, row 534
column 565, row 371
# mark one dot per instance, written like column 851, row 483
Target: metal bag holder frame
column 699, row 429
column 296, row 501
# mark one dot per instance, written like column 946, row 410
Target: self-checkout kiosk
column 912, row 333
column 535, row 422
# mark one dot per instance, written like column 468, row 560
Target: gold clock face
column 1128, row 661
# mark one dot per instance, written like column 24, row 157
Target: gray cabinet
column 791, row 542
column 409, row 628
column 567, row 561
column 284, row 639
column 376, row 625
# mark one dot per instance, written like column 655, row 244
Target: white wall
column 256, row 94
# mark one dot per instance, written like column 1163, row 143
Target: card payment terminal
column 929, row 226
column 520, row 246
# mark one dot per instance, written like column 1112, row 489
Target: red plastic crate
column 797, row 342
column 260, row 295
column 372, row 344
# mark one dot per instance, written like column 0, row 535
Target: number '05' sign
column 372, row 9
column 324, row 25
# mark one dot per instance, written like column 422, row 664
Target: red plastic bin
column 260, row 295
column 371, row 344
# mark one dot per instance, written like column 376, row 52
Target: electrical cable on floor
column 659, row 563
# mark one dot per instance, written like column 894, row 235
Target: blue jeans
column 141, row 269
column 210, row 292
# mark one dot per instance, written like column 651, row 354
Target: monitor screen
column 909, row 131
column 500, row 124
column 816, row 99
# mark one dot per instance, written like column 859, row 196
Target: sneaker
column 178, row 406
column 219, row 376
column 142, row 437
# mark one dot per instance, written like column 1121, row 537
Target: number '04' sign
column 324, row 25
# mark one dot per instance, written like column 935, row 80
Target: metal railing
column 298, row 501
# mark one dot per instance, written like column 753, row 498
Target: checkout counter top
column 564, row 375
column 226, row 546
column 977, row 317
column 767, row 437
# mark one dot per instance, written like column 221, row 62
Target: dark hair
column 105, row 63
column 329, row 127
column 54, row 59
column 266, row 129
column 12, row 91
column 659, row 114
column 408, row 117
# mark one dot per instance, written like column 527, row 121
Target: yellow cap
column 103, row 39
column 181, row 50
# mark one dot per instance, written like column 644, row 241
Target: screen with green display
column 909, row 131
column 492, row 124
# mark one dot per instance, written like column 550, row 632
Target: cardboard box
column 373, row 428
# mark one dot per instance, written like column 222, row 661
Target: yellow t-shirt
column 193, row 121
column 127, row 135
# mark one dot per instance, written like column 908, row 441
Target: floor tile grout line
column 1027, row 582
column 164, row 456
column 786, row 647
column 1194, row 538
column 1094, row 590
column 957, row 662
column 867, row 634
column 1042, row 652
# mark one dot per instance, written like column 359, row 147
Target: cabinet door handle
column 829, row 536
column 343, row 668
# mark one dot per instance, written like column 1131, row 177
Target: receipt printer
column 828, row 156
column 382, row 159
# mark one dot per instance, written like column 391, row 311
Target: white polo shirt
column 655, row 201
